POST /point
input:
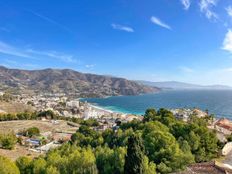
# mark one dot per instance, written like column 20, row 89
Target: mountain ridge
column 70, row 82
column 181, row 85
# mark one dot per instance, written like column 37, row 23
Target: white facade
column 227, row 149
column 73, row 104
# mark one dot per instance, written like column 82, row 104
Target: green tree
column 33, row 131
column 110, row 160
column 150, row 115
column 52, row 170
column 8, row 140
column 163, row 149
column 135, row 161
column 7, row 166
column 24, row 164
column 39, row 166
column 48, row 114
column 82, row 161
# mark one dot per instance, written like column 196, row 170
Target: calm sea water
column 218, row 102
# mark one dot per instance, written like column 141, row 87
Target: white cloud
column 54, row 54
column 10, row 50
column 229, row 11
column 186, row 4
column 206, row 8
column 122, row 27
column 51, row 21
column 186, row 69
column 158, row 22
column 34, row 54
column 17, row 64
column 90, row 66
column 227, row 43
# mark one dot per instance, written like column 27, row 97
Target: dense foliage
column 160, row 143
column 31, row 132
column 8, row 140
column 136, row 162
column 7, row 166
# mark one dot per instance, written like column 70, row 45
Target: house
column 32, row 142
column 47, row 147
column 182, row 114
column 224, row 126
column 227, row 149
column 62, row 137
column 46, row 135
column 199, row 113
column 185, row 114
column 73, row 104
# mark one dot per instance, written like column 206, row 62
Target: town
column 37, row 137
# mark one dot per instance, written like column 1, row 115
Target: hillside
column 14, row 107
column 70, row 82
column 182, row 85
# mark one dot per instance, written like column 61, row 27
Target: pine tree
column 135, row 156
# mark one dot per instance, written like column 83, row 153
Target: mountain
column 182, row 85
column 70, row 82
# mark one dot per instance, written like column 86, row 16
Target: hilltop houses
column 185, row 114
column 224, row 126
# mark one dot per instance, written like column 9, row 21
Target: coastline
column 202, row 99
column 101, row 108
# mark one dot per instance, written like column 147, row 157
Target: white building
column 73, row 104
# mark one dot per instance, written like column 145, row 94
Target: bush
column 24, row 164
column 33, row 131
column 8, row 141
column 7, row 166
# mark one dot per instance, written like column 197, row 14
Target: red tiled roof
column 224, row 123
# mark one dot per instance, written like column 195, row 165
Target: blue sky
column 156, row 40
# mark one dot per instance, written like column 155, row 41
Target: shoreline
column 100, row 108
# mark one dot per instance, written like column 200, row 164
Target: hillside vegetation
column 69, row 82
column 158, row 144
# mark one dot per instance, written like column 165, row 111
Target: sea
column 217, row 102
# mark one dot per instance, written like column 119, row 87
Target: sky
column 154, row 40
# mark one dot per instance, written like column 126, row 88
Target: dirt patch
column 18, row 152
column 44, row 126
column 15, row 107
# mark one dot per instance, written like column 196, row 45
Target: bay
column 218, row 102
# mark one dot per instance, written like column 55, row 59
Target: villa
column 224, row 126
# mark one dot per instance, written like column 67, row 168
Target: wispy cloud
column 54, row 54
column 229, row 11
column 34, row 54
column 206, row 8
column 90, row 65
column 160, row 23
column 122, row 27
column 227, row 43
column 186, row 69
column 45, row 18
column 15, row 64
column 11, row 50
column 186, row 4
